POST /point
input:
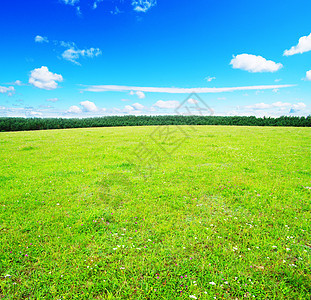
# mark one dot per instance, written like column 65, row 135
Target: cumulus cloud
column 304, row 45
column 167, row 104
column 42, row 78
column 9, row 90
column 73, row 54
column 138, row 106
column 74, row 109
column 41, row 39
column 18, row 82
column 131, row 89
column 143, row 5
column 254, row 64
column 89, row 106
column 308, row 75
column 139, row 94
column 129, row 108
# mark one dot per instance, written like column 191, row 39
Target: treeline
column 20, row 124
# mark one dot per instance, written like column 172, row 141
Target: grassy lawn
column 226, row 215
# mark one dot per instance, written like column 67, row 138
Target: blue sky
column 84, row 58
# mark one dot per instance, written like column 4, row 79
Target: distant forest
column 20, row 124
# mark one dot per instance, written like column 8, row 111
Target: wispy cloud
column 173, row 90
column 73, row 54
column 52, row 100
column 304, row 45
column 209, row 79
column 143, row 5
column 70, row 2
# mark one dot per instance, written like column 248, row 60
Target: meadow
column 187, row 212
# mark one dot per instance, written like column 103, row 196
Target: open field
column 225, row 216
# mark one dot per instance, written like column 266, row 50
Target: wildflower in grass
column 212, row 283
column 274, row 246
column 193, row 297
column 287, row 249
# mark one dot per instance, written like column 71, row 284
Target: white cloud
column 70, row 2
column 304, row 45
column 131, row 89
column 53, row 100
column 280, row 104
column 209, row 79
column 9, row 90
column 299, row 106
column 139, row 94
column 73, row 54
column 35, row 114
column 41, row 39
column 259, row 106
column 308, row 75
column 74, row 110
column 143, row 5
column 89, row 106
column 138, row 106
column 277, row 107
column 42, row 78
column 167, row 104
column 18, row 82
column 193, row 101
column 129, row 108
column 254, row 64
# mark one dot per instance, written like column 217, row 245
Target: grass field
column 225, row 216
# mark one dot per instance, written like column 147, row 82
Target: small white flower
column 193, row 297
column 212, row 283
column 226, row 282
column 115, row 248
column 274, row 246
column 287, row 249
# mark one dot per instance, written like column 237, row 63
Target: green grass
column 225, row 216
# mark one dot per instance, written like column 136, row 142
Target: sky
column 87, row 58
